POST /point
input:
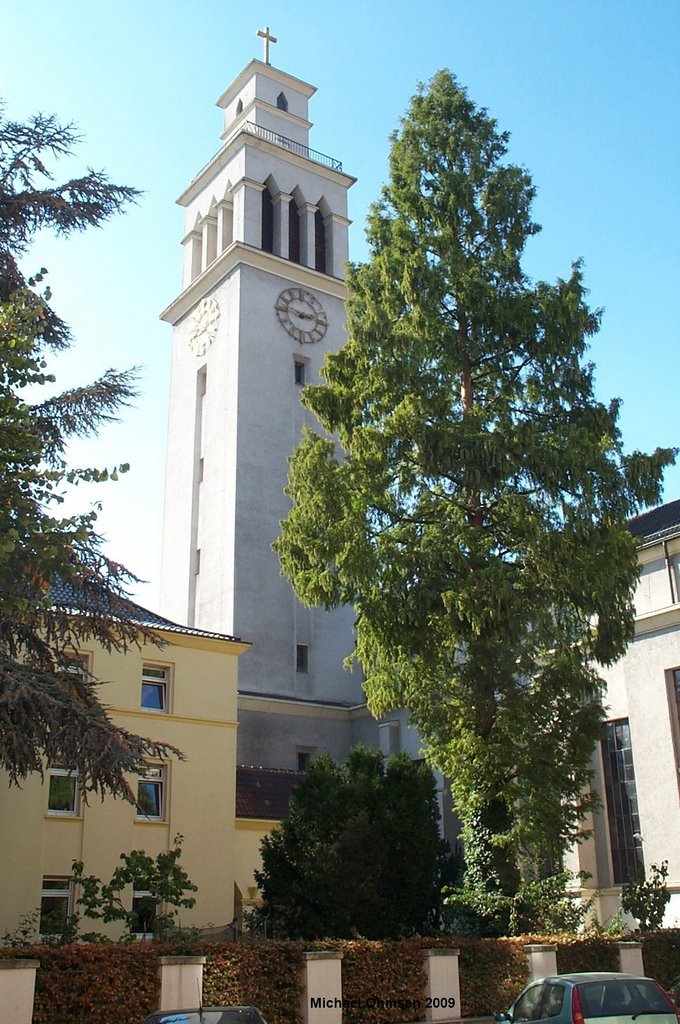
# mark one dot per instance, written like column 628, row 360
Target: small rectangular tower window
column 300, row 371
column 302, row 658
column 388, row 735
column 304, row 758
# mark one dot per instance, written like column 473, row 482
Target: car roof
column 585, row 976
column 244, row 1011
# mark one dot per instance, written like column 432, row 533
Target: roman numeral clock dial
column 302, row 315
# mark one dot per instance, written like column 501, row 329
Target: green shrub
column 646, row 899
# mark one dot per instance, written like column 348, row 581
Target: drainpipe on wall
column 669, row 567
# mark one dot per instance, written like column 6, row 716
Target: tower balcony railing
column 285, row 143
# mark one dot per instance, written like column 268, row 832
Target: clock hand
column 302, row 314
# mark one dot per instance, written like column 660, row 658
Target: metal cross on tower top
column 267, row 40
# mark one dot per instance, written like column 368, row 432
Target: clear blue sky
column 589, row 90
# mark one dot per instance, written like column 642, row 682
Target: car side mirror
column 500, row 1015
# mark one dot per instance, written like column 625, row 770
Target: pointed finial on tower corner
column 267, row 40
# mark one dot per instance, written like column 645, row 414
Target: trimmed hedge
column 385, row 980
column 492, row 973
column 586, row 954
column 661, row 954
column 113, row 983
column 263, row 974
column 83, row 983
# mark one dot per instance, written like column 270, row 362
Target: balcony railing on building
column 296, row 147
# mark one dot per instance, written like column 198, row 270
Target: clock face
column 203, row 327
column 302, row 315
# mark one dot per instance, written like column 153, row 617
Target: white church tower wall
column 265, row 241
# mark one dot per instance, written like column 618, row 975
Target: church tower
column 265, row 243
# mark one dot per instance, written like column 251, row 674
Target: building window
column 145, row 910
column 304, row 756
column 56, row 905
column 319, row 243
column 150, row 793
column 302, row 658
column 299, row 372
column 293, row 233
column 64, row 793
column 239, row 107
column 622, row 804
column 267, row 221
column 388, row 734
column 155, row 688
column 281, row 101
column 79, row 664
column 673, row 678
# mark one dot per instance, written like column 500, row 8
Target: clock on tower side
column 262, row 302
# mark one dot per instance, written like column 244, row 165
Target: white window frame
column 58, row 772
column 162, row 684
column 80, row 663
column 63, row 893
column 155, row 776
column 142, row 894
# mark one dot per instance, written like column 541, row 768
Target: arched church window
column 281, row 101
column 239, row 107
column 267, row 221
column 294, row 233
column 319, row 243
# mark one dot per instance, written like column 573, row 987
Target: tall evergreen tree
column 473, row 507
column 358, row 852
column 48, row 711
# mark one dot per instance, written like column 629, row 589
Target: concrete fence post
column 542, row 961
column 181, row 979
column 630, row 958
column 321, row 1000
column 17, row 990
column 442, row 985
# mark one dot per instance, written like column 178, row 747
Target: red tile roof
column 264, row 792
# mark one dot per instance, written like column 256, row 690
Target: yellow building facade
column 183, row 693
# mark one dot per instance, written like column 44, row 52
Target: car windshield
column 634, row 996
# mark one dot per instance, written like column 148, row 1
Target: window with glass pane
column 63, row 791
column 145, row 909
column 55, row 905
column 622, row 802
column 527, row 1006
column 150, row 793
column 154, row 688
